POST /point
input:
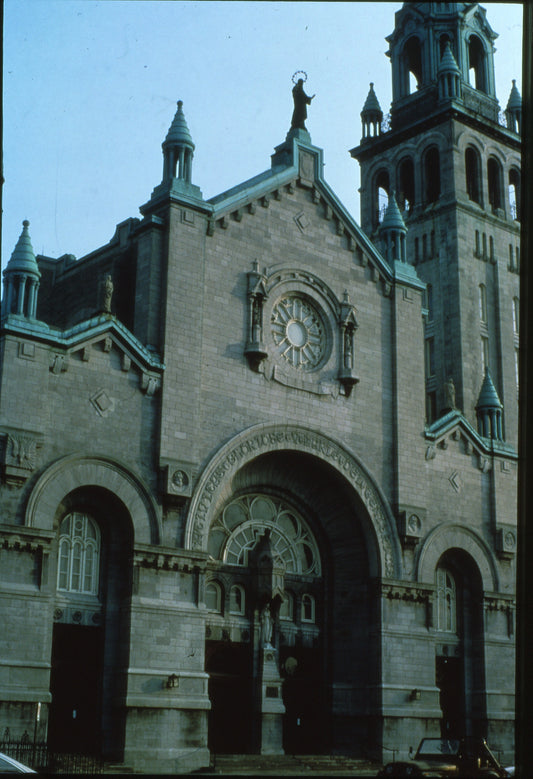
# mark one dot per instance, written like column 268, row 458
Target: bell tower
column 452, row 158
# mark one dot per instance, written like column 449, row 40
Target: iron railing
column 40, row 757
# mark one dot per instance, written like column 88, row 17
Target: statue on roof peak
column 301, row 101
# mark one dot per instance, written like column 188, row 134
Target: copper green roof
column 23, row 257
column 178, row 134
column 515, row 100
column 393, row 218
column 448, row 63
column 371, row 105
column 488, row 397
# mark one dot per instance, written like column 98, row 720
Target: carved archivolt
column 262, row 439
column 75, row 471
column 449, row 536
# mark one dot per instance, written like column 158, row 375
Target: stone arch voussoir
column 455, row 536
column 262, row 439
column 78, row 471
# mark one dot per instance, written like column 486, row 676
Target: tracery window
column 79, row 554
column 238, row 528
column 446, row 601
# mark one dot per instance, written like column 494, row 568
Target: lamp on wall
column 414, row 695
column 173, row 681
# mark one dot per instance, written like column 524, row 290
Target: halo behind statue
column 299, row 74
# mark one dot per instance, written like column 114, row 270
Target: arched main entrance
column 95, row 506
column 328, row 542
column 90, row 637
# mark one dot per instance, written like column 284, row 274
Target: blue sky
column 90, row 90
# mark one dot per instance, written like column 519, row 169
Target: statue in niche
column 348, row 349
column 267, row 626
column 107, row 293
column 449, row 394
column 301, row 101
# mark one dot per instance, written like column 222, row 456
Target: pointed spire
column 488, row 397
column 513, row 112
column 393, row 232
column 23, row 257
column 449, row 75
column 178, row 133
column 21, row 278
column 393, row 219
column 489, row 410
column 371, row 115
column 178, row 148
column 515, row 99
column 447, row 62
column 372, row 103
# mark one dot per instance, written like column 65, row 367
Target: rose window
column 298, row 332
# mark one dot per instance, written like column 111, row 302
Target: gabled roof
column 285, row 170
column 83, row 334
column 454, row 422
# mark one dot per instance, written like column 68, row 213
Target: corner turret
column 21, row 279
column 513, row 112
column 393, row 233
column 489, row 410
column 371, row 115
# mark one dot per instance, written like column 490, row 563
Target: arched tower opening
column 477, row 64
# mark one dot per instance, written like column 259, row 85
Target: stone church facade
column 258, row 462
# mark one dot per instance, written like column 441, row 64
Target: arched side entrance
column 330, row 535
column 461, row 567
column 88, row 503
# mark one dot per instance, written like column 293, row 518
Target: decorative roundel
column 298, row 332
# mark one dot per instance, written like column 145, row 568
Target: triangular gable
column 290, row 164
column 104, row 329
column 455, row 426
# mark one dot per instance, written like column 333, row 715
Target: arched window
column 516, row 315
column 494, row 176
column 446, row 601
column 477, row 64
column 432, row 174
column 79, row 554
column 237, row 600
column 412, row 66
column 429, row 302
column 473, row 174
column 443, row 40
column 286, row 609
column 406, row 188
column 482, row 303
column 213, row 597
column 308, row 608
column 382, row 189
column 514, row 193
